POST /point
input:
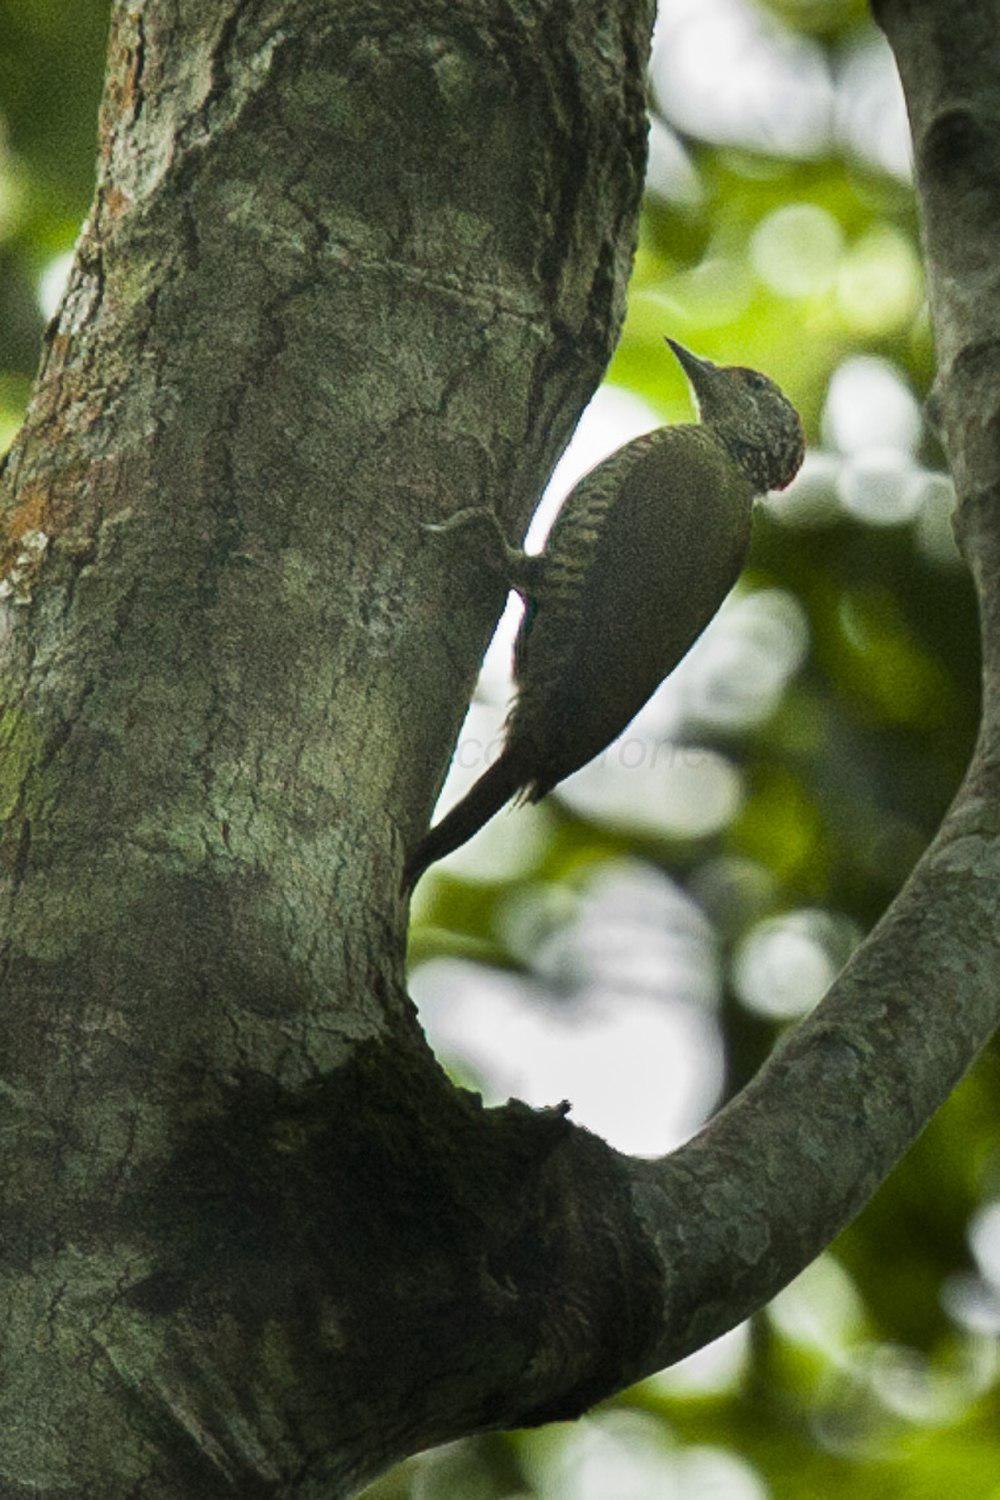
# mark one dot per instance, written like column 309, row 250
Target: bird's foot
column 520, row 571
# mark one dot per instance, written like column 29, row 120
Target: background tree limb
column 769, row 1182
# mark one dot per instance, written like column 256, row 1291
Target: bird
column 643, row 552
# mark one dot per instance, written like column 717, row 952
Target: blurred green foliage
column 877, row 1374
column 51, row 60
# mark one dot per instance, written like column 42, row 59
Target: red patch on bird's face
column 788, row 458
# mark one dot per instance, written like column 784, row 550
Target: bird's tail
column 495, row 787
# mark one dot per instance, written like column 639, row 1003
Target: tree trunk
column 350, row 267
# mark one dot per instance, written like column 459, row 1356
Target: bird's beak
column 698, row 371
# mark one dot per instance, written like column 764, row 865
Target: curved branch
column 767, row 1184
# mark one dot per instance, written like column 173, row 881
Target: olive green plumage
column 641, row 555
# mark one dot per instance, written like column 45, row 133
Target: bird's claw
column 461, row 520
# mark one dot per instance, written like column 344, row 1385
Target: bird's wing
column 575, row 538
column 620, row 608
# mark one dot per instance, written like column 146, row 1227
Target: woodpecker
column 640, row 557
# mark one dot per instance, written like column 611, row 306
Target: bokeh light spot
column 984, row 1241
column 870, row 108
column 52, row 283
column 656, row 787
column 736, row 672
column 724, row 71
column 786, row 964
column 880, row 486
column 870, row 405
column 796, row 249
column 710, row 1370
column 671, row 175
column 879, row 283
column 820, row 1309
column 811, row 498
column 619, row 1014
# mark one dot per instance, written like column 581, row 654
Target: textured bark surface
column 349, row 267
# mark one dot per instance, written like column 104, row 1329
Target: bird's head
column 748, row 413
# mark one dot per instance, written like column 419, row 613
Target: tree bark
column 350, row 267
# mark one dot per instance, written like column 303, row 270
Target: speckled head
column 758, row 425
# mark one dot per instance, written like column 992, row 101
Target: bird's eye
column 756, row 379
